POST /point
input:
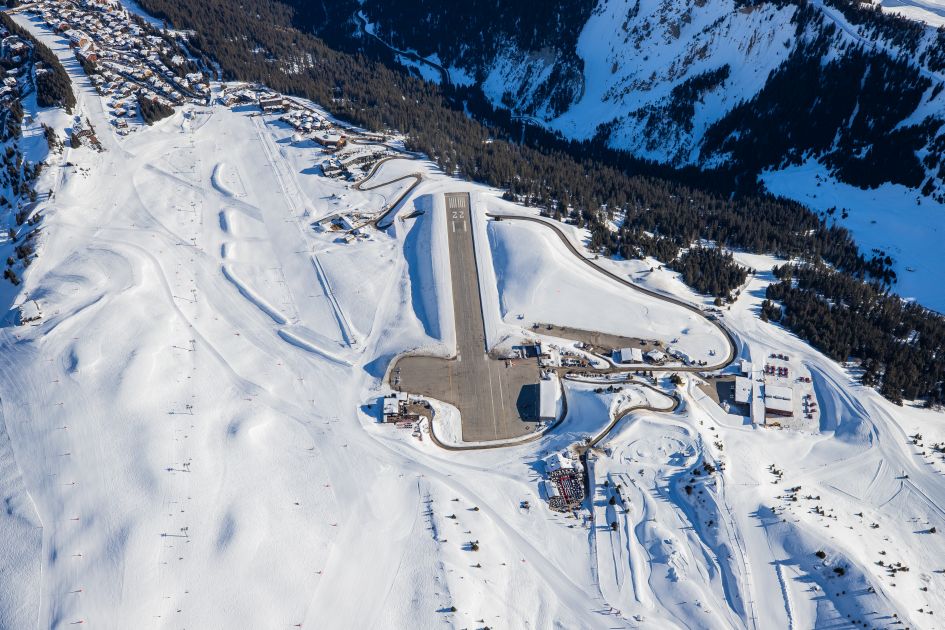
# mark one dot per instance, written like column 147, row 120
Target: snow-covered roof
column 548, row 398
column 557, row 461
column 779, row 398
column 742, row 389
column 655, row 355
column 392, row 403
column 628, row 355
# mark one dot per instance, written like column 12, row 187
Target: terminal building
column 394, row 406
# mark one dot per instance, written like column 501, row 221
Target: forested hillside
column 31, row 69
column 572, row 182
column 751, row 84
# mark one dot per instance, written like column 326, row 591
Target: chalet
column 331, row 168
column 272, row 104
column 333, row 140
column 627, row 355
column 655, row 356
column 88, row 53
column 77, row 39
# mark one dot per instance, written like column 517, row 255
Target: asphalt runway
column 495, row 401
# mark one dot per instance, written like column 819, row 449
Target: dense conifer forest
column 661, row 210
column 847, row 109
column 710, row 271
column 848, row 103
column 153, row 110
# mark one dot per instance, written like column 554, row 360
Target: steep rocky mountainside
column 752, row 84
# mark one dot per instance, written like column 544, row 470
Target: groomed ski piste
column 190, row 434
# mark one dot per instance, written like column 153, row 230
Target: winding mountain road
column 381, row 222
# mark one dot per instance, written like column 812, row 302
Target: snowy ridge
column 635, row 53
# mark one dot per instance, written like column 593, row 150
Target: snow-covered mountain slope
column 747, row 85
column 189, row 434
column 637, row 53
column 759, row 87
column 932, row 12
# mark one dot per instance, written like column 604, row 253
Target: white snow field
column 932, row 12
column 890, row 218
column 189, row 435
column 542, row 281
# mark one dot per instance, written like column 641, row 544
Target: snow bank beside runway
column 541, row 281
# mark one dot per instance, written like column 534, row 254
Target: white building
column 392, row 406
column 548, row 399
column 743, row 388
